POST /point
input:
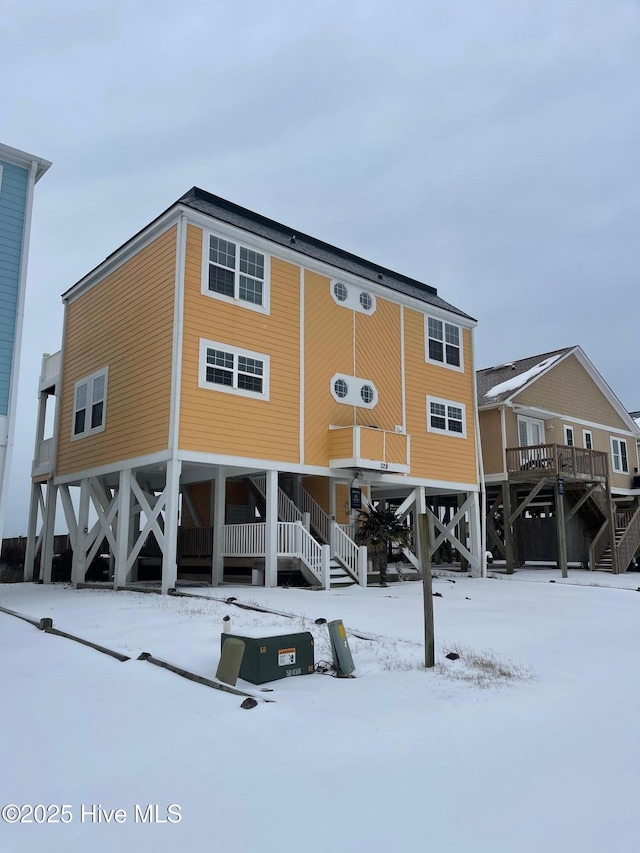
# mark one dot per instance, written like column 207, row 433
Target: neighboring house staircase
column 347, row 563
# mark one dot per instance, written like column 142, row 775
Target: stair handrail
column 628, row 544
column 320, row 520
column 352, row 557
column 313, row 554
column 287, row 510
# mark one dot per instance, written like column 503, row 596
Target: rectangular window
column 587, row 439
column 619, row 455
column 235, row 273
column 89, row 404
column 446, row 416
column 568, row 435
column 234, row 370
column 444, row 343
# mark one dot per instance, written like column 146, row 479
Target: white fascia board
column 23, row 159
column 135, row 462
column 547, row 415
column 210, row 223
column 168, row 219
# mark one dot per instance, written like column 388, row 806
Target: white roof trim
column 21, row 158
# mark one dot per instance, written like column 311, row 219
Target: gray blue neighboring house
column 19, row 173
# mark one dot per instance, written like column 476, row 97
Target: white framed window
column 446, row 416
column 568, row 435
column 235, row 273
column 90, row 404
column 353, row 391
column 351, row 296
column 233, row 370
column 619, row 457
column 443, row 343
column 587, row 439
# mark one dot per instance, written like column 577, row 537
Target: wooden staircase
column 605, row 563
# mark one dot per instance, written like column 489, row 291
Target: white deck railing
column 50, row 366
column 249, row 540
column 243, row 540
column 353, row 557
column 45, row 451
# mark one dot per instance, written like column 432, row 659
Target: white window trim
column 427, row 358
column 235, row 351
column 585, row 433
column 613, row 458
column 565, row 430
column 448, row 432
column 75, row 436
column 525, row 419
column 353, row 296
column 355, row 385
column 246, row 244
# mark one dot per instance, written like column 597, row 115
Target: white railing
column 249, row 540
column 287, row 510
column 243, row 540
column 45, row 451
column 350, row 530
column 353, row 557
column 320, row 521
column 50, row 366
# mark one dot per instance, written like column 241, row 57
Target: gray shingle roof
column 489, row 377
column 233, row 214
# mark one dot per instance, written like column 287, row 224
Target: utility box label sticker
column 286, row 657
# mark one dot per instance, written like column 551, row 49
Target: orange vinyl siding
column 379, row 358
column 213, row 421
column 396, row 448
column 328, row 349
column 371, row 444
column 200, row 494
column 342, row 504
column 318, row 488
column 341, row 443
column 433, row 455
column 491, row 437
column 124, row 323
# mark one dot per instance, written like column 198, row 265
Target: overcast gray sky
column 490, row 149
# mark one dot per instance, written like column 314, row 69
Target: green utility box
column 268, row 657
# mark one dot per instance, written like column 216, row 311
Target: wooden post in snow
column 427, row 592
column 561, row 526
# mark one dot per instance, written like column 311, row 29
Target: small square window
column 445, row 416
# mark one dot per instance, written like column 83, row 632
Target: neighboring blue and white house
column 19, row 173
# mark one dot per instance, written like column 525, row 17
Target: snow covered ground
column 456, row 760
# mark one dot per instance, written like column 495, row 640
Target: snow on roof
column 522, row 378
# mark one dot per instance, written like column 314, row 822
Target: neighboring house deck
column 560, row 459
column 229, row 389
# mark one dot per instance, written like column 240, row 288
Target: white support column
column 271, row 530
column 479, row 564
column 79, row 565
column 172, row 501
column 32, row 527
column 325, row 566
column 219, row 506
column 362, row 565
column 46, row 559
column 124, row 529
